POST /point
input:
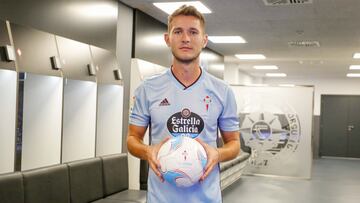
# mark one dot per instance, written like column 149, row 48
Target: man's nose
column 185, row 37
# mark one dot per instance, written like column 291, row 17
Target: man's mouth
column 185, row 48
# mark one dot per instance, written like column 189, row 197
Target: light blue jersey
column 195, row 111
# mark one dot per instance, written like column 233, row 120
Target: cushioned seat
column 112, row 201
column 86, row 180
column 115, row 173
column 232, row 170
column 99, row 180
column 130, row 195
column 116, row 181
column 44, row 185
column 243, row 156
column 11, row 188
column 225, row 165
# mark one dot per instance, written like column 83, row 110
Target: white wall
column 41, row 121
column 7, row 116
column 109, row 119
column 233, row 75
column 346, row 86
column 79, row 120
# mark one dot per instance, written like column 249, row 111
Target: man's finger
column 157, row 163
column 155, row 169
column 208, row 164
column 160, row 175
column 207, row 172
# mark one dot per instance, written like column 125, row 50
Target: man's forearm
column 136, row 147
column 229, row 150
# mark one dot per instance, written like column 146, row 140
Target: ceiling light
column 287, row 85
column 275, row 75
column 257, row 85
column 356, row 56
column 227, row 39
column 354, row 67
column 353, row 75
column 250, row 56
column 94, row 10
column 170, row 7
column 266, row 67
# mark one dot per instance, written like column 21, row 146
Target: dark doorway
column 340, row 126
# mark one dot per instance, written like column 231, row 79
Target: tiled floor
column 333, row 181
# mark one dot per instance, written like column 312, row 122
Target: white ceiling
column 268, row 29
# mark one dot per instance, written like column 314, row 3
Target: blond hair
column 186, row 10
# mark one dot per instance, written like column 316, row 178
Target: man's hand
column 151, row 157
column 213, row 158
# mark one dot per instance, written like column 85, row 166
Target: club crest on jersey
column 164, row 102
column 207, row 101
column 185, row 123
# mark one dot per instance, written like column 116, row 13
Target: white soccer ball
column 182, row 161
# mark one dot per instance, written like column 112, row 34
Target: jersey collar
column 181, row 85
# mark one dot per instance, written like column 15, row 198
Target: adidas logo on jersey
column 164, row 102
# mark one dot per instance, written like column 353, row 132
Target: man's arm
column 231, row 147
column 136, row 146
column 228, row 151
column 135, row 141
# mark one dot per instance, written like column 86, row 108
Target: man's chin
column 185, row 60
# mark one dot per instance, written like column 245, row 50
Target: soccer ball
column 182, row 161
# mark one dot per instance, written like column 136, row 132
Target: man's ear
column 166, row 38
column 205, row 40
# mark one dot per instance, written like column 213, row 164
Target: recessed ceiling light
column 287, row 85
column 353, row 75
column 170, row 7
column 266, row 67
column 227, row 39
column 257, row 85
column 354, row 67
column 250, row 56
column 94, row 10
column 275, row 75
column 356, row 56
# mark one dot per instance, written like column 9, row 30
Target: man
column 186, row 93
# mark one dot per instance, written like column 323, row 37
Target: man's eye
column 193, row 32
column 177, row 32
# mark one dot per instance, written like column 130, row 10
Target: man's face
column 186, row 38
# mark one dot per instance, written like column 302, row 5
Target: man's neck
column 187, row 74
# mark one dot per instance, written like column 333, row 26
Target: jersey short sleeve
column 228, row 120
column 140, row 115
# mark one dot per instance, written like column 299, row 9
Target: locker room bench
column 230, row 171
column 100, row 180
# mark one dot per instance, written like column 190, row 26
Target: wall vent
column 304, row 44
column 286, row 2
